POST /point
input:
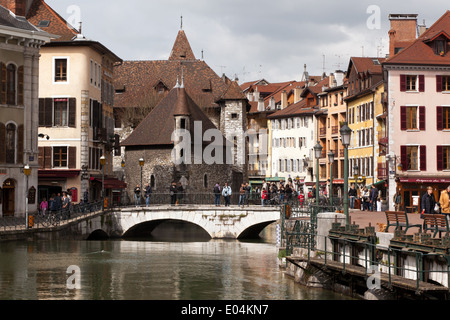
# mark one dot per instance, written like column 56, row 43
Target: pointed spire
column 182, row 78
column 181, row 105
column 181, row 26
column 177, row 85
column 181, row 49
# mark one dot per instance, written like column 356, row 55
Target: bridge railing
column 165, row 198
column 51, row 218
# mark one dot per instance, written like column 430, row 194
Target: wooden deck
column 396, row 281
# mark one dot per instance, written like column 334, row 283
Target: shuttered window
column 57, row 112
column 410, row 159
column 11, row 71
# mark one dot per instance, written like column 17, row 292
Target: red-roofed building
column 75, row 107
column 417, row 81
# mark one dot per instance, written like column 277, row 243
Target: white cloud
column 253, row 38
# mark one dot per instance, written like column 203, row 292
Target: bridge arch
column 147, row 228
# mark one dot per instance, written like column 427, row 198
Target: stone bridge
column 218, row 222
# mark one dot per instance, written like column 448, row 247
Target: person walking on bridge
column 226, row 193
column 217, row 193
column 137, row 195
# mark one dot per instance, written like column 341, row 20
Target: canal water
column 158, row 267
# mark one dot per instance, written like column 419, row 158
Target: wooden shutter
column 47, row 157
column 403, row 82
column 20, row 85
column 20, row 143
column 403, row 123
column 3, row 83
column 423, row 158
column 48, row 109
column 2, row 143
column 439, row 118
column 41, row 157
column 41, row 112
column 421, row 83
column 440, row 158
column 72, row 112
column 422, row 118
column 403, row 158
column 438, row 83
column 72, row 157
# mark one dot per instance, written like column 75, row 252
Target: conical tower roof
column 181, row 49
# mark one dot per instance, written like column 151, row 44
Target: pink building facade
column 417, row 82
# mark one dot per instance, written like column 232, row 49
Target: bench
column 400, row 220
column 436, row 223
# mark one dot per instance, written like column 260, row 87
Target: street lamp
column 27, row 173
column 317, row 153
column 102, row 163
column 345, row 137
column 141, row 163
column 331, row 161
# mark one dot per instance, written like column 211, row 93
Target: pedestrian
column 217, row 193
column 137, row 195
column 66, row 204
column 352, row 194
column 444, row 201
column 365, row 199
column 51, row 203
column 397, row 199
column 242, row 195
column 173, row 193
column 288, row 191
column 148, row 194
column 247, row 193
column 263, row 197
column 282, row 193
column 226, row 193
column 301, row 198
column 179, row 192
column 86, row 196
column 373, row 198
column 43, row 206
column 58, row 202
column 428, row 202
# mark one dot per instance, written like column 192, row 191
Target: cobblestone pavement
column 363, row 218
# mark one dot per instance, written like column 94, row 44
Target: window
column 11, row 143
column 61, row 70
column 414, row 157
column 443, row 158
column 442, row 83
column 412, row 118
column 234, row 116
column 412, row 83
column 439, row 46
column 60, row 114
column 59, row 157
column 11, row 84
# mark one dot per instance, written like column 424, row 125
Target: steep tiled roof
column 40, row 11
column 421, row 51
column 233, row 92
column 158, row 125
column 293, row 110
column 9, row 20
column 181, row 49
column 366, row 65
column 139, row 77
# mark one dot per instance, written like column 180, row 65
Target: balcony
column 334, row 130
column 382, row 170
column 257, row 173
column 322, row 131
column 382, row 139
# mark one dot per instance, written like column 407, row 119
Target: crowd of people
column 369, row 199
column 56, row 202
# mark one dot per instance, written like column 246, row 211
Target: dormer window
column 439, row 46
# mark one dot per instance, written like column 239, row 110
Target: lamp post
column 317, row 153
column 331, row 161
column 141, row 163
column 27, row 173
column 102, row 163
column 345, row 137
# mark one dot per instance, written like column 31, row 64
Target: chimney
column 422, row 28
column 403, row 30
column 18, row 7
column 297, row 93
column 339, row 77
column 261, row 107
column 283, row 99
column 272, row 103
column 331, row 80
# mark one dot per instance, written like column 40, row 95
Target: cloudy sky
column 250, row 39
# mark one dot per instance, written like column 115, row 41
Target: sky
column 248, row 39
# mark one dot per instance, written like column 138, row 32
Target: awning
column 58, row 173
column 112, row 183
column 425, row 180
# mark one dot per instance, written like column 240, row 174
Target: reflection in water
column 150, row 269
